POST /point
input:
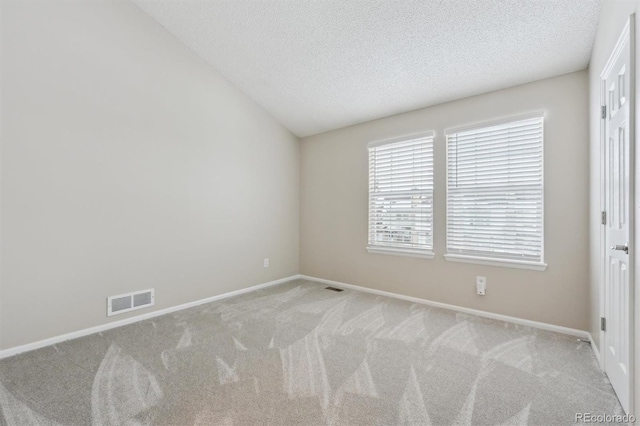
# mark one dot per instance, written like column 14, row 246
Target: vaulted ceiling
column 318, row 65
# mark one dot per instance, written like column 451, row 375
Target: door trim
column 628, row 32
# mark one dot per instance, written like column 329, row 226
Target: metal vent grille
column 120, row 304
column 131, row 301
column 142, row 299
column 334, row 289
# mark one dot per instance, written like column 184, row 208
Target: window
column 401, row 196
column 495, row 194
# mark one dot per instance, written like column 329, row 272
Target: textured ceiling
column 318, row 65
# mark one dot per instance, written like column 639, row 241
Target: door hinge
column 603, row 217
column 603, row 324
column 603, row 111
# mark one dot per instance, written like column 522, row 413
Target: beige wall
column 128, row 163
column 334, row 208
column 613, row 17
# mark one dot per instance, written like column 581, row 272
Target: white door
column 617, row 138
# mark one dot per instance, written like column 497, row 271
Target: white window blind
column 495, row 191
column 401, row 195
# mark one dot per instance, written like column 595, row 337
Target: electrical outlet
column 481, row 285
column 266, row 263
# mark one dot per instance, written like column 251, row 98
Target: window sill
column 533, row 266
column 401, row 252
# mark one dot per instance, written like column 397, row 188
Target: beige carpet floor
column 298, row 354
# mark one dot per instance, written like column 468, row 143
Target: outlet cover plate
column 481, row 285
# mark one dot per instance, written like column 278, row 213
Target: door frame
column 627, row 32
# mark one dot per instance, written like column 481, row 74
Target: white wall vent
column 130, row 302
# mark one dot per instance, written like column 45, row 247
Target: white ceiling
column 318, row 65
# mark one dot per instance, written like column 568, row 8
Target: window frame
column 402, row 251
column 487, row 259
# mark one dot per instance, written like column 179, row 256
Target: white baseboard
column 596, row 352
column 541, row 325
column 85, row 332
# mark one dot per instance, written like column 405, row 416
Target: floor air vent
column 129, row 302
column 334, row 289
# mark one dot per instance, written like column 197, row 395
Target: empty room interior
column 319, row 212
